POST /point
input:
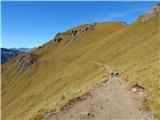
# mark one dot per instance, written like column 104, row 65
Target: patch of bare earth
column 111, row 101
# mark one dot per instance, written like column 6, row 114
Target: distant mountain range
column 21, row 49
column 8, row 54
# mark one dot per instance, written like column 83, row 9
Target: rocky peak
column 151, row 13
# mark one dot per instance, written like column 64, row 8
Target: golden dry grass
column 65, row 71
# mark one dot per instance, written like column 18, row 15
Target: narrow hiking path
column 111, row 101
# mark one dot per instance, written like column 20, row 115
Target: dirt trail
column 111, row 101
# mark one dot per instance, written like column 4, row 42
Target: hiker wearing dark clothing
column 114, row 74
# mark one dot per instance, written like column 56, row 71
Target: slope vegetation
column 59, row 71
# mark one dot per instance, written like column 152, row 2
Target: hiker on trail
column 110, row 72
column 114, row 74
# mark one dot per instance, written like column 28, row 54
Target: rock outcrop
column 75, row 32
column 82, row 29
column 26, row 60
column 151, row 13
column 59, row 39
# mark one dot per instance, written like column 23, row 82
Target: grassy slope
column 65, row 71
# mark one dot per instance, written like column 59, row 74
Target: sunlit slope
column 65, row 70
column 58, row 70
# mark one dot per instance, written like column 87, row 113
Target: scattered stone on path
column 140, row 93
column 83, row 115
column 134, row 89
column 87, row 115
column 139, row 89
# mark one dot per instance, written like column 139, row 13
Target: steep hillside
column 55, row 73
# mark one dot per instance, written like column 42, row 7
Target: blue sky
column 30, row 24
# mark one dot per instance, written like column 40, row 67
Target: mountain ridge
column 63, row 67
